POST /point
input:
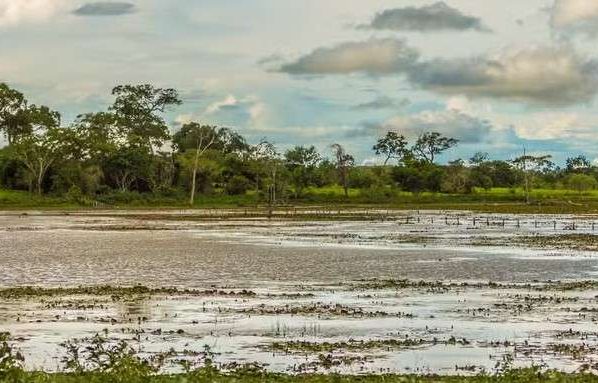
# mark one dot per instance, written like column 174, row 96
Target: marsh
column 399, row 295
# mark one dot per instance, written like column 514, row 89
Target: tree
column 456, row 179
column 528, row 163
column 263, row 160
column 578, row 164
column 429, row 145
column 203, row 138
column 392, row 146
column 161, row 172
column 344, row 162
column 226, row 141
column 138, row 110
column 13, row 111
column 99, row 135
column 46, row 144
column 479, row 158
column 127, row 165
column 301, row 162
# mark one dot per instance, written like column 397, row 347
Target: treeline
column 128, row 151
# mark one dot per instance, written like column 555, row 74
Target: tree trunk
column 526, row 177
column 194, row 177
column 40, row 180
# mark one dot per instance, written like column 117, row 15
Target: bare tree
column 527, row 163
column 205, row 136
column 344, row 162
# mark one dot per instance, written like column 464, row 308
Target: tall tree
column 226, row 140
column 578, row 164
column 263, row 163
column 344, row 162
column 392, row 146
column 45, row 145
column 529, row 164
column 13, row 113
column 429, row 145
column 203, row 138
column 302, row 162
column 139, row 113
column 99, row 135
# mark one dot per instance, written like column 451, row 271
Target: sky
column 499, row 75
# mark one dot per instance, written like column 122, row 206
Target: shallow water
column 287, row 257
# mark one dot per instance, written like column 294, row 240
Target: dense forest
column 127, row 152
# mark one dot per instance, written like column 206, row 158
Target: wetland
column 450, row 294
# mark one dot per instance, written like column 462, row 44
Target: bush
column 74, row 194
column 377, row 194
column 237, row 185
column 582, row 182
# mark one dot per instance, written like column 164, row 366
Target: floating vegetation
column 441, row 286
column 114, row 292
column 583, row 242
column 319, row 308
column 362, row 345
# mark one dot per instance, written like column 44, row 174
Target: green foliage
column 302, row 163
column 237, row 185
column 392, row 146
column 582, row 182
column 116, row 157
column 98, row 361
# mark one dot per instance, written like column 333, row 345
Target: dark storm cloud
column 436, row 17
column 555, row 76
column 105, row 8
column 382, row 102
column 549, row 75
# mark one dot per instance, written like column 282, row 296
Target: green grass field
column 496, row 200
column 201, row 376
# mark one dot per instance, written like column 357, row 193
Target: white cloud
column 452, row 123
column 556, row 126
column 571, row 16
column 241, row 112
column 228, row 102
column 15, row 12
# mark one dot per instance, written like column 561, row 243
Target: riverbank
column 494, row 201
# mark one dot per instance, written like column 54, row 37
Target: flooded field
column 402, row 292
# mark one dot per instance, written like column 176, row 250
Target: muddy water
column 461, row 329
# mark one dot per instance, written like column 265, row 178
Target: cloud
column 435, row 17
column 383, row 102
column 452, row 123
column 374, row 57
column 228, row 103
column 575, row 16
column 543, row 75
column 15, row 12
column 231, row 110
column 557, row 126
column 553, row 75
column 105, row 8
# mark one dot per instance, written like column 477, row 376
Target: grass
column 497, row 200
column 113, row 291
column 212, row 376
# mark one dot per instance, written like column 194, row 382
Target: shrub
column 237, row 185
